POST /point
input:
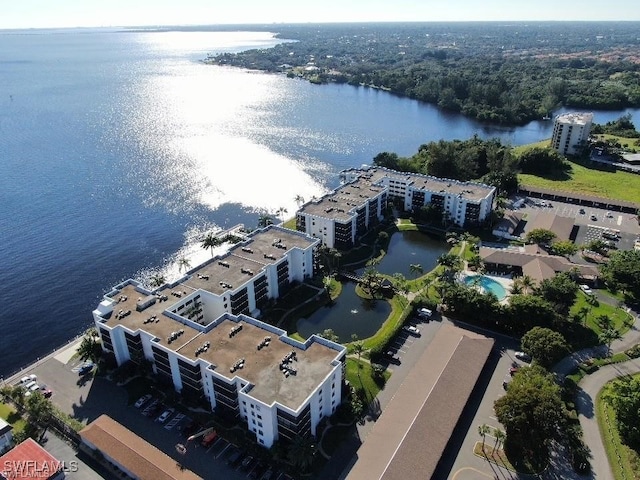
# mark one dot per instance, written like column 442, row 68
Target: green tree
column 546, row 346
column 542, row 161
column 532, row 412
column 607, row 337
column 302, row 451
column 560, row 290
column 299, row 199
column 90, row 347
column 358, row 348
column 210, row 241
column 416, row 269
column 157, row 280
column 183, row 263
column 540, row 236
column 624, row 396
column 265, row 220
column 500, row 437
column 281, row 212
column 564, row 248
column 623, row 270
column 329, row 334
column 482, row 431
column 527, row 311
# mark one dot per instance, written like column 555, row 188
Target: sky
column 96, row 13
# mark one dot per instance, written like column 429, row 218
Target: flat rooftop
column 339, row 203
column 262, row 367
column 470, row 190
column 410, row 437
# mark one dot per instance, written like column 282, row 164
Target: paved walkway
column 590, row 385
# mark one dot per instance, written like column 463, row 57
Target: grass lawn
column 627, row 465
column 620, row 317
column 523, row 148
column 495, row 455
column 11, row 416
column 358, row 373
column 626, row 143
column 616, row 185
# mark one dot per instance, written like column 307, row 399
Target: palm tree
column 358, row 348
column 604, row 321
column 583, row 312
column 500, row 437
column 299, row 200
column 281, row 212
column 210, row 241
column 608, row 336
column 301, row 452
column 483, row 430
column 183, row 262
column 527, row 283
column 516, row 287
column 265, row 220
column 157, row 280
column 90, row 348
column 416, row 269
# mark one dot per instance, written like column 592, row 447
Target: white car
column 586, row 289
column 28, row 379
column 522, row 356
column 424, row 313
column 165, row 415
column 34, row 387
column 142, row 400
column 411, row 329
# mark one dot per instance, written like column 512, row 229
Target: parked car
column 523, row 356
column 609, row 215
column 27, row 386
column 46, row 391
column 582, row 211
column 513, row 370
column 28, row 379
column 594, row 218
column 209, row 438
column 412, row 330
column 142, row 400
column 164, row 416
column 235, row 457
column 247, row 462
column 391, row 356
column 85, row 368
column 424, row 313
column 586, row 289
column 34, row 387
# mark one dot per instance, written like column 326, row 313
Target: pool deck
column 505, row 281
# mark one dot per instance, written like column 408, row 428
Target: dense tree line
column 493, row 72
column 488, row 161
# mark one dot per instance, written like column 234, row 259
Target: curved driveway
column 585, row 405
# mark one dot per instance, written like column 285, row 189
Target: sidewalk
column 631, row 338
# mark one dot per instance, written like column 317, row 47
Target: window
column 253, row 421
column 258, row 407
column 244, row 402
column 261, row 441
column 260, row 417
column 260, row 424
column 260, row 432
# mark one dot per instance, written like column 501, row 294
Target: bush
column 634, row 352
column 589, row 368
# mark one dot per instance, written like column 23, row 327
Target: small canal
column 351, row 314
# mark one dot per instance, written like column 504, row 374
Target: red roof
column 29, row 460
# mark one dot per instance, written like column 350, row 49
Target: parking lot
column 86, row 397
column 592, row 222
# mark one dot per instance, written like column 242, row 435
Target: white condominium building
column 198, row 334
column 341, row 217
column 570, row 131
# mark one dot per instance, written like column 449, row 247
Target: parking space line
column 619, row 222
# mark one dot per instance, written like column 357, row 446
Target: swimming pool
column 487, row 284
